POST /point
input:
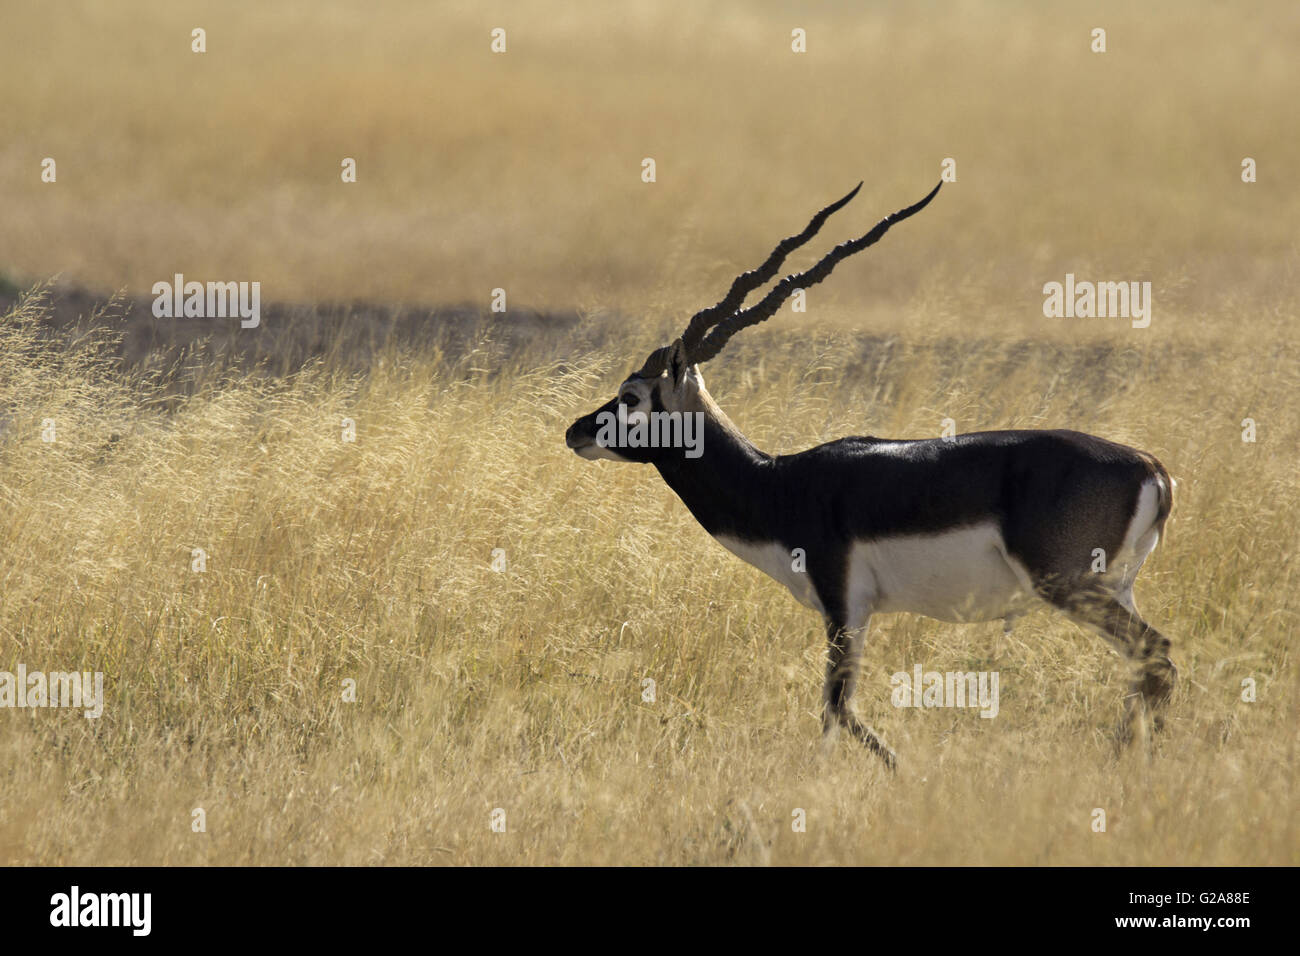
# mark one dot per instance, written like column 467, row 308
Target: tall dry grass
column 521, row 689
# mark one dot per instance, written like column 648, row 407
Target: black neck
column 726, row 488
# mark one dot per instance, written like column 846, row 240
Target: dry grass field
column 520, row 687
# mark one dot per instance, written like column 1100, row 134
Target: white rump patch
column 1141, row 537
column 1139, row 541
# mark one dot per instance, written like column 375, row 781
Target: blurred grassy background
column 522, row 690
column 522, row 170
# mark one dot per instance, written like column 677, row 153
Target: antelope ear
column 677, row 363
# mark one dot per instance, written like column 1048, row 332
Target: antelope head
column 667, row 391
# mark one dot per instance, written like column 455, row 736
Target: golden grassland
column 521, row 689
column 371, row 561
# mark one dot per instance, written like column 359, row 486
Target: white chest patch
column 778, row 563
column 959, row 575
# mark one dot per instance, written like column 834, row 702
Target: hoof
column 1158, row 682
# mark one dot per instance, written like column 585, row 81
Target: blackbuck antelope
column 972, row 527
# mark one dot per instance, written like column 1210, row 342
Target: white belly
column 960, row 575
